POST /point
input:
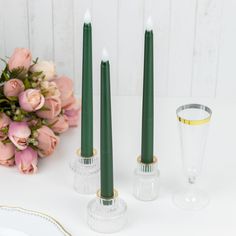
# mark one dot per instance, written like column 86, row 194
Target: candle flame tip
column 105, row 56
column 149, row 25
column 87, row 17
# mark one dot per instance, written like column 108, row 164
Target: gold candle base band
column 107, row 201
column 146, row 167
column 115, row 195
column 78, row 152
column 86, row 160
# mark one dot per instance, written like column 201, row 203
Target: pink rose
column 31, row 100
column 65, row 86
column 72, row 112
column 59, row 124
column 21, row 58
column 26, row 160
column 52, row 109
column 49, row 89
column 13, row 87
column 7, row 152
column 69, row 101
column 19, row 133
column 4, row 122
column 47, row 67
column 31, row 122
column 47, row 141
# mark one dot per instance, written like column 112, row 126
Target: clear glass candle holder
column 146, row 180
column 86, row 173
column 107, row 215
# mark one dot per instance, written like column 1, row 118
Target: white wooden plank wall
column 41, row 41
column 63, row 31
column 2, row 42
column 105, row 34
column 195, row 41
column 15, row 25
column 226, row 83
column 206, row 47
column 181, row 47
column 130, row 46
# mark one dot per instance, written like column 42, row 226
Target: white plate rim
column 38, row 214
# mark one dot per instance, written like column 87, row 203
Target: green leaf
column 37, row 73
column 6, row 141
column 27, row 83
column 4, row 100
column 18, row 72
column 23, row 111
column 5, row 76
column 44, row 109
column 36, row 60
column 52, row 124
column 4, row 61
column 5, row 130
column 13, row 99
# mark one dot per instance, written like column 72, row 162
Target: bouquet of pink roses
column 35, row 107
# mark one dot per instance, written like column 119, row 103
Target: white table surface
column 50, row 190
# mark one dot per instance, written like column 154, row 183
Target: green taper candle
column 147, row 112
column 106, row 131
column 87, row 91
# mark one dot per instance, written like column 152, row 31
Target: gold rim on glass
column 194, row 106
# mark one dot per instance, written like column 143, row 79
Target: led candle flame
column 87, row 17
column 149, row 25
column 105, row 56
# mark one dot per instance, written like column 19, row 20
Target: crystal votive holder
column 146, row 180
column 86, row 173
column 107, row 215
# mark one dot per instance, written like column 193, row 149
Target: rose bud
column 65, row 86
column 7, row 152
column 47, row 67
column 4, row 122
column 26, row 160
column 47, row 141
column 13, row 87
column 59, row 124
column 31, row 122
column 69, row 101
column 72, row 112
column 50, row 89
column 21, row 58
column 31, row 100
column 19, row 133
column 51, row 109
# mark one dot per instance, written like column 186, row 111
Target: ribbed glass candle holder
column 146, row 180
column 107, row 215
column 86, row 173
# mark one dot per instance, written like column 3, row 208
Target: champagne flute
column 194, row 120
